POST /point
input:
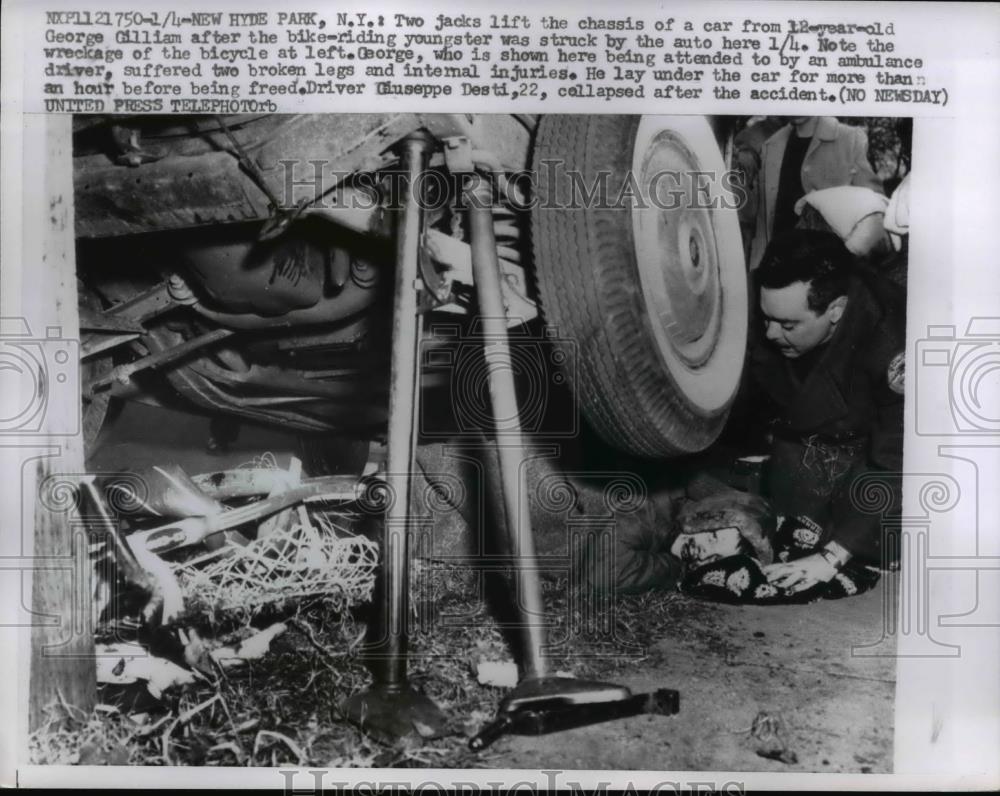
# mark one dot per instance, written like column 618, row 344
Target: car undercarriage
column 244, row 265
column 408, row 271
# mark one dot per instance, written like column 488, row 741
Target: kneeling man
column 829, row 357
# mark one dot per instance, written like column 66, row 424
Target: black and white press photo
column 506, row 441
column 499, row 398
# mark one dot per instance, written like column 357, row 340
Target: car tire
column 648, row 298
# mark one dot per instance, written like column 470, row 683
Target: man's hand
column 801, row 574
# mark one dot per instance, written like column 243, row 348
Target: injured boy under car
column 824, row 383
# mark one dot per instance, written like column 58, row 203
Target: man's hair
column 813, row 256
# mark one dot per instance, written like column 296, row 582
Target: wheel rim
column 689, row 258
column 676, row 251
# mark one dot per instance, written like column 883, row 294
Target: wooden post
column 62, row 642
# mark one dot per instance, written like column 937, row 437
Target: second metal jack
column 540, row 702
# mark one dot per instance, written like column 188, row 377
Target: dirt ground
column 731, row 663
column 798, row 669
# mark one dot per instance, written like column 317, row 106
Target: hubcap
column 676, row 248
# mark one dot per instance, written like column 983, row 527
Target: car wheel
column 649, row 293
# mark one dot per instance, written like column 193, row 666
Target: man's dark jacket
column 838, row 433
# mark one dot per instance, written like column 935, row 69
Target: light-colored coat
column 837, row 155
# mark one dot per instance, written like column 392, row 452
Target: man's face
column 702, row 548
column 790, row 325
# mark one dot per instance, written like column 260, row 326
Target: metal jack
column 540, row 703
column 391, row 709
